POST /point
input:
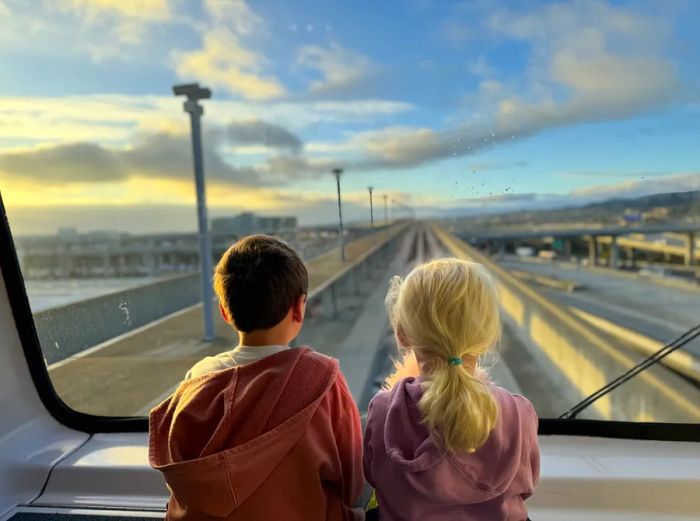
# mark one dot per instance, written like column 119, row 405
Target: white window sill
column 582, row 479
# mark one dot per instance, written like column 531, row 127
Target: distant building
column 248, row 223
column 658, row 213
column 67, row 232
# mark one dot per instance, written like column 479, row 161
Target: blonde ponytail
column 446, row 310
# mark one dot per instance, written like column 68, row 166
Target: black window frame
column 89, row 423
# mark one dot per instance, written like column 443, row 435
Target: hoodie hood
column 462, row 478
column 220, row 435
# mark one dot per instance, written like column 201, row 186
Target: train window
column 554, row 142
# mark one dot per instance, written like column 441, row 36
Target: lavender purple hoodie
column 416, row 479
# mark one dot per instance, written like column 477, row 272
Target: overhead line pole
column 337, row 172
column 194, row 93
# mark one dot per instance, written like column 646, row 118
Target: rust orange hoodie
column 279, row 438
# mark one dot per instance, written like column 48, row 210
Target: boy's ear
column 299, row 309
column 224, row 315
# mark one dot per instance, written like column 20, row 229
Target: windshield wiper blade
column 679, row 342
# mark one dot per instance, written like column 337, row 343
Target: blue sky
column 443, row 105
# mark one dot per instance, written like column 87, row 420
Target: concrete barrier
column 347, row 281
column 66, row 330
column 551, row 282
column 577, row 358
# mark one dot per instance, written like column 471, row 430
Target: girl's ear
column 401, row 338
column 224, row 315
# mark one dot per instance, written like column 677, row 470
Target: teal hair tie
column 454, row 361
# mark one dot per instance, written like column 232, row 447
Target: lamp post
column 371, row 208
column 386, row 214
column 194, row 93
column 337, row 172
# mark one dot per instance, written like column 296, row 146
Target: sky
column 448, row 107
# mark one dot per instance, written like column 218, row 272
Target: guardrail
column 577, row 357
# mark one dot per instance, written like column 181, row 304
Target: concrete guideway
column 125, row 375
column 358, row 351
column 577, row 358
column 632, row 312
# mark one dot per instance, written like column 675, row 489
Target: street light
column 194, row 93
column 386, row 215
column 337, row 172
column 371, row 208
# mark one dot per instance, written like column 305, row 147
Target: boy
column 262, row 432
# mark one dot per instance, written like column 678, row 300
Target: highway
column 631, row 300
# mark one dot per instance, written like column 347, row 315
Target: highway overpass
column 680, row 240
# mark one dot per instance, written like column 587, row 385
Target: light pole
column 337, row 172
column 194, row 93
column 386, row 214
column 371, row 208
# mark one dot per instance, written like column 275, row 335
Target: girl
column 446, row 443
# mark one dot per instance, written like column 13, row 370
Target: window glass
column 555, row 142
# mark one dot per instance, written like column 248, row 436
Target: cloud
column 609, row 174
column 155, row 10
column 480, row 67
column 340, row 69
column 78, row 162
column 668, row 183
column 262, row 133
column 166, row 155
column 115, row 118
column 234, row 13
column 398, row 147
column 455, row 32
column 224, row 62
column 101, row 29
column 226, row 58
column 159, row 155
column 589, row 62
column 501, row 165
column 125, row 21
column 681, row 182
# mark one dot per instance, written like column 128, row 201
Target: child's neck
column 262, row 337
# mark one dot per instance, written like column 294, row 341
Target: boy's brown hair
column 257, row 280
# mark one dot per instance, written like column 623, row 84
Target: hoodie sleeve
column 367, row 453
column 534, row 450
column 347, row 430
column 530, row 424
